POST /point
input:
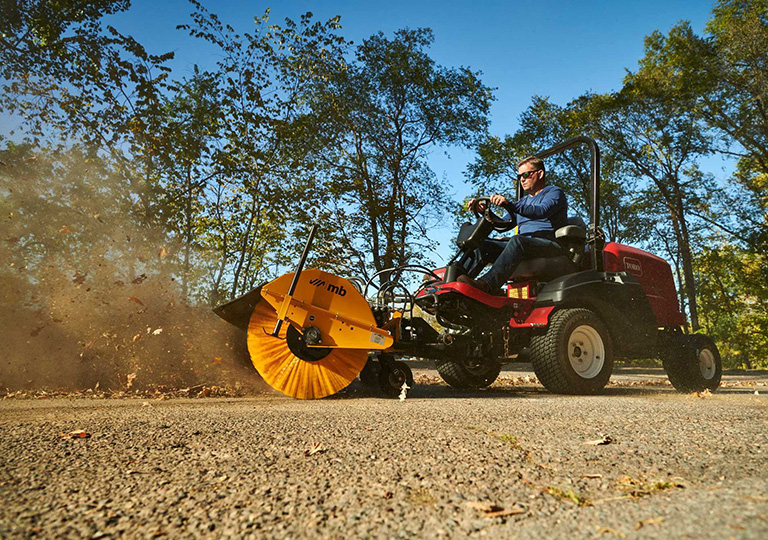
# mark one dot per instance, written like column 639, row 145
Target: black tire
column 465, row 374
column 392, row 377
column 369, row 376
column 575, row 354
column 692, row 363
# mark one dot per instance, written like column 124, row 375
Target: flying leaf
column 162, row 253
column 157, row 332
column 64, row 230
column 132, row 299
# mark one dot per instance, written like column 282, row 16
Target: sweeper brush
column 309, row 332
column 324, row 345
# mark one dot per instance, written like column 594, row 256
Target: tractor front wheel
column 693, row 363
column 469, row 373
column 575, row 354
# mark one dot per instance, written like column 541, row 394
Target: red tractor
column 570, row 316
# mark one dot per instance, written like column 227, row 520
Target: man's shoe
column 478, row 284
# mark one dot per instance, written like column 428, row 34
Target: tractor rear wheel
column 469, row 373
column 575, row 354
column 693, row 363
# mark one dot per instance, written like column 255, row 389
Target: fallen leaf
column 591, row 476
column 705, row 394
column 607, row 439
column 136, row 300
column 79, row 278
column 77, row 434
column 139, row 279
column 608, row 530
column 36, row 331
column 482, row 506
column 317, row 448
column 505, row 512
column 162, row 253
column 119, row 283
column 136, row 337
column 217, row 360
column 491, row 510
column 653, row 521
column 64, row 230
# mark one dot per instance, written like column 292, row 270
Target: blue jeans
column 506, row 255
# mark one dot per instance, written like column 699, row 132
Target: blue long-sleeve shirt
column 542, row 214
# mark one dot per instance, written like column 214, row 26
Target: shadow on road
column 435, row 391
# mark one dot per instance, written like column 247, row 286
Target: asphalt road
column 509, row 462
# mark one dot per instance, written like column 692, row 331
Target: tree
column 722, row 80
column 185, row 169
column 262, row 186
column 659, row 142
column 65, row 76
column 377, row 120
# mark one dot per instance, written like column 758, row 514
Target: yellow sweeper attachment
column 322, row 343
column 309, row 332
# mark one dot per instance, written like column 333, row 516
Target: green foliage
column 734, row 303
column 718, row 82
column 63, row 72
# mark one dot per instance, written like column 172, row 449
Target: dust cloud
column 91, row 297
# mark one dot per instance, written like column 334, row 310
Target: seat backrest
column 574, row 231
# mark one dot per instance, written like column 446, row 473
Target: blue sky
column 559, row 49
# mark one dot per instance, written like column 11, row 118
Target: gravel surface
column 510, row 462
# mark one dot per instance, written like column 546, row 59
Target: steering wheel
column 489, row 215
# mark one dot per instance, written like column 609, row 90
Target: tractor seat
column 571, row 238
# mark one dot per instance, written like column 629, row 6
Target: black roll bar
column 594, row 236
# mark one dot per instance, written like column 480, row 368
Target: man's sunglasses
column 527, row 174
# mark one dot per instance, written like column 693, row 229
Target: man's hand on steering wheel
column 482, row 208
column 499, row 200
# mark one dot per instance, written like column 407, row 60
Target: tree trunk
column 684, row 242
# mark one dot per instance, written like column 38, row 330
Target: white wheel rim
column 707, row 363
column 586, row 352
